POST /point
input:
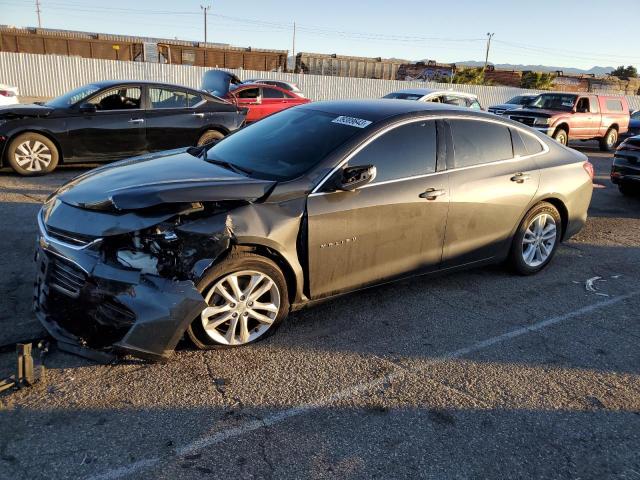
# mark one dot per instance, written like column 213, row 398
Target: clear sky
column 567, row 33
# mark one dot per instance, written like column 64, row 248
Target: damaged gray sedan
column 220, row 242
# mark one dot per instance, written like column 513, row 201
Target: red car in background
column 259, row 99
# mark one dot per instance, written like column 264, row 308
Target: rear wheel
column 247, row 300
column 210, row 136
column 536, row 239
column 561, row 136
column 608, row 142
column 32, row 154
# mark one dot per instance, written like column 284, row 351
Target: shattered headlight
column 154, row 251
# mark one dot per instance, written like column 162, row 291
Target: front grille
column 497, row 111
column 68, row 237
column 526, row 120
column 66, row 277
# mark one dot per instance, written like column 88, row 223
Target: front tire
column 609, row 141
column 210, row 136
column 31, row 154
column 627, row 191
column 561, row 136
column 536, row 239
column 247, row 300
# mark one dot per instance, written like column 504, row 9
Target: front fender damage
column 118, row 310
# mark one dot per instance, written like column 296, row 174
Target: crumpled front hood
column 19, row 111
column 169, row 178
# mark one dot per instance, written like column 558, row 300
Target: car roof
column 432, row 91
column 380, row 109
column 113, row 83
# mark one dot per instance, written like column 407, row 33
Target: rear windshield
column 286, row 145
column 404, row 96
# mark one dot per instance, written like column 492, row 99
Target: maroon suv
column 569, row 116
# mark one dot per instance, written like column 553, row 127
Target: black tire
column 237, row 262
column 210, row 136
column 627, row 191
column 516, row 257
column 561, row 136
column 45, row 159
column 609, row 141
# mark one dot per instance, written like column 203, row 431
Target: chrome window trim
column 545, row 149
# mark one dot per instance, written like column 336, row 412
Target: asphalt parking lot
column 480, row 374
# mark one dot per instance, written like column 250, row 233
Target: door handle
column 197, row 114
column 136, row 120
column 432, row 193
column 520, row 177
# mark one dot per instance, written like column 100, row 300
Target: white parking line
column 219, row 437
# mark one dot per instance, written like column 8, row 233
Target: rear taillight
column 588, row 167
column 7, row 93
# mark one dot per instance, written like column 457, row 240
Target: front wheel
column 609, row 141
column 536, row 239
column 32, row 154
column 626, row 190
column 247, row 300
column 561, row 136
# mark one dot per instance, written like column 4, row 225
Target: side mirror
column 354, row 177
column 88, row 108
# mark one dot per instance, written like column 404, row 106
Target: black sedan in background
column 111, row 120
column 625, row 171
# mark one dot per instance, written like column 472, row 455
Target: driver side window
column 404, row 152
column 119, row 98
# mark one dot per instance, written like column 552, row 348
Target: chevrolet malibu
column 220, row 242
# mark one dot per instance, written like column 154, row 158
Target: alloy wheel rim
column 611, row 139
column 33, row 155
column 242, row 307
column 539, row 240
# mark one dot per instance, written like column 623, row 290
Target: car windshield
column 285, row 145
column 520, row 100
column 554, row 101
column 73, row 97
column 404, row 96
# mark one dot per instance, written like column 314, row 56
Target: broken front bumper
column 85, row 302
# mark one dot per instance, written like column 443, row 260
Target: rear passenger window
column 272, row 93
column 476, row 142
column 403, row 152
column 532, row 145
column 614, row 105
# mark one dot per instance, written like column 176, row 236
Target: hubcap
column 242, row 307
column 539, row 240
column 33, row 155
column 611, row 138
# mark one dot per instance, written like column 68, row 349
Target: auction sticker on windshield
column 351, row 121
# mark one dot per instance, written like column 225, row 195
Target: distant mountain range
column 541, row 68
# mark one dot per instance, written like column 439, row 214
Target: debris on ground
column 28, row 372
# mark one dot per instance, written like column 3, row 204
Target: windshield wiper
column 228, row 165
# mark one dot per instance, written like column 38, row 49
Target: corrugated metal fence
column 52, row 75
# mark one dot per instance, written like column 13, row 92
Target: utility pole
column 38, row 12
column 293, row 47
column 486, row 57
column 205, row 10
